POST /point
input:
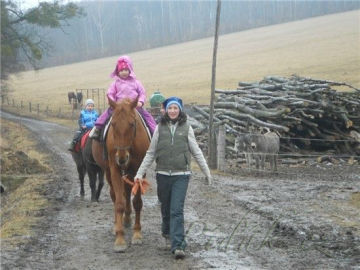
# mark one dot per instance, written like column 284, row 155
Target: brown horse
column 126, row 144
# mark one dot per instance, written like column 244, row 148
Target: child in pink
column 125, row 85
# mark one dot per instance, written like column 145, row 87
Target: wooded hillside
column 118, row 27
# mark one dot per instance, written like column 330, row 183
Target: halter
column 130, row 145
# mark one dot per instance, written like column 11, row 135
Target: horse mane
column 124, row 106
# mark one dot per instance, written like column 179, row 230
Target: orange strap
column 143, row 184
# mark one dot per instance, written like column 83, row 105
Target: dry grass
column 19, row 213
column 23, row 199
column 16, row 136
column 326, row 47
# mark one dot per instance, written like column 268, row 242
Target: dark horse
column 71, row 96
column 85, row 163
column 126, row 143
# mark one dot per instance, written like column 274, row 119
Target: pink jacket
column 126, row 88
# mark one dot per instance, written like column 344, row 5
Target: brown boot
column 72, row 146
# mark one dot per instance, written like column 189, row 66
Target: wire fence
column 306, row 161
column 70, row 109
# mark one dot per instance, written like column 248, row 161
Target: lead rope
column 143, row 184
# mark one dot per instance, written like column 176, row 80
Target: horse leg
column 92, row 183
column 137, row 204
column 119, row 208
column 127, row 218
column 81, row 172
column 100, row 184
column 108, row 178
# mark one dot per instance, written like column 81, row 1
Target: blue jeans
column 172, row 192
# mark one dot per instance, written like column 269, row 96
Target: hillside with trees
column 117, row 27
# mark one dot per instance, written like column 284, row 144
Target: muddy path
column 304, row 218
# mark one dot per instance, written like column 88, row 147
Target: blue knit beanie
column 173, row 100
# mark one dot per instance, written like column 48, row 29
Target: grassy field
column 25, row 177
column 326, row 47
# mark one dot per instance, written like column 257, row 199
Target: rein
column 130, row 145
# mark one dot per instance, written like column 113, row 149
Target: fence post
column 212, row 161
column 98, row 94
column 21, row 104
column 29, row 106
column 59, row 114
column 38, row 108
column 221, row 146
column 7, row 98
column 47, row 111
column 13, row 102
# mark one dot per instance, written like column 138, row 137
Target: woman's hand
column 139, row 104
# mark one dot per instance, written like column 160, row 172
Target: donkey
column 265, row 145
column 258, row 147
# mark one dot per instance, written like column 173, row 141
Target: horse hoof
column 127, row 223
column 120, row 248
column 136, row 241
column 137, row 238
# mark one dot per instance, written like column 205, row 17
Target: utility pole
column 211, row 145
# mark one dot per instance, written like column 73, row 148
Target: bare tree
column 101, row 19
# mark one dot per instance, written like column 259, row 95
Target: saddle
column 81, row 143
column 105, row 130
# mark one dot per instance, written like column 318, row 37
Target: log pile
column 308, row 114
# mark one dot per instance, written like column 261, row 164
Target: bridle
column 127, row 147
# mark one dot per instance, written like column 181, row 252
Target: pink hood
column 126, row 88
column 128, row 61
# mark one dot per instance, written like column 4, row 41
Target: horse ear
column 111, row 103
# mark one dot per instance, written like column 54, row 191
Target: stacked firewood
column 308, row 114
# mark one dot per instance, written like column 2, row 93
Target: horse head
column 123, row 125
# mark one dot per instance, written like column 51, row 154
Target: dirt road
column 296, row 220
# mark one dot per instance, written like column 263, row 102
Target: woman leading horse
column 126, row 143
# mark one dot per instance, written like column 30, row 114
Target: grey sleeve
column 197, row 153
column 150, row 155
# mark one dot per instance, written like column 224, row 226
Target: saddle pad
column 145, row 125
column 84, row 139
column 77, row 147
column 106, row 128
